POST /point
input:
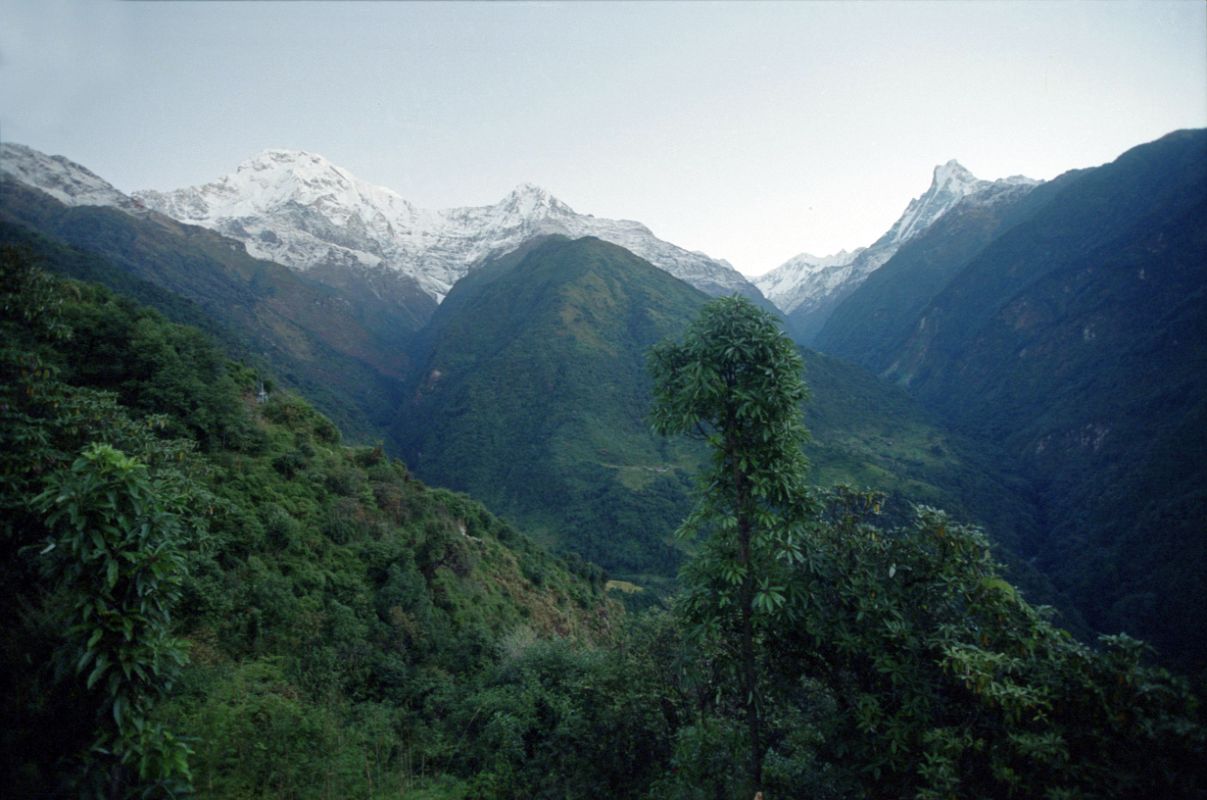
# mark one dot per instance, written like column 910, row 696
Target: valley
column 451, row 535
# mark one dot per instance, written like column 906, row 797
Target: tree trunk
column 749, row 675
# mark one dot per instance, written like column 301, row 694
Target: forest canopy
column 209, row 593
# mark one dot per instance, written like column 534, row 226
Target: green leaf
column 97, row 671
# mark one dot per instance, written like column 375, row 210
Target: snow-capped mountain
column 787, row 286
column 64, row 180
column 805, row 286
column 299, row 209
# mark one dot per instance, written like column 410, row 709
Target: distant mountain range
column 299, row 209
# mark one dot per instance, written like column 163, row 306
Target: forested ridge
column 530, row 392
column 209, row 593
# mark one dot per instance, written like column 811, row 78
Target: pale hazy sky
column 751, row 131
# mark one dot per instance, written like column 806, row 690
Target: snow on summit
column 64, row 180
column 806, row 282
column 299, row 209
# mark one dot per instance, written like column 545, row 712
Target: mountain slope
column 300, row 210
column 808, row 288
column 1077, row 340
column 66, row 181
column 346, row 348
column 332, row 605
column 531, row 392
column 878, row 314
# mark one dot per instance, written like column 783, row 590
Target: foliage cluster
column 936, row 678
column 337, row 614
column 900, row 663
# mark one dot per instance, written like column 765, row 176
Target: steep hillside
column 334, row 611
column 866, row 433
column 346, row 347
column 531, row 393
column 808, row 289
column 870, row 323
column 1076, row 340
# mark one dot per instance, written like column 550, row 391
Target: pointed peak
column 952, row 172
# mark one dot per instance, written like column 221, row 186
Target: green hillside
column 334, row 611
column 531, row 393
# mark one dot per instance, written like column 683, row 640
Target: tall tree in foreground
column 735, row 379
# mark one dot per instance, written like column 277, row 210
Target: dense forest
column 208, row 592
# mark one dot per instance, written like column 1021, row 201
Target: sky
column 751, row 131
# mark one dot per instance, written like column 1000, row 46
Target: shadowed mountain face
column 1071, row 329
column 808, row 289
column 346, row 347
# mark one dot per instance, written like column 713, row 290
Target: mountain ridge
column 530, row 391
column 1070, row 332
column 808, row 288
column 358, row 223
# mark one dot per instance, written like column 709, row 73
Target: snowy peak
column 803, row 276
column 806, row 283
column 530, row 202
column 809, row 261
column 786, row 285
column 950, row 184
column 953, row 173
column 276, row 179
column 299, row 209
column 66, row 181
column 531, row 196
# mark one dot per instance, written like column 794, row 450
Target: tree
column 735, row 380
column 946, row 682
column 115, row 558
